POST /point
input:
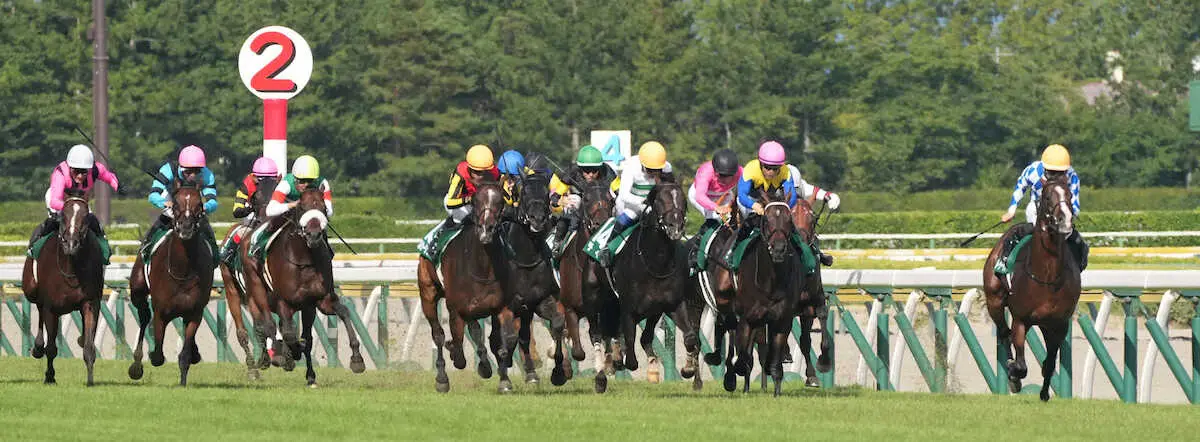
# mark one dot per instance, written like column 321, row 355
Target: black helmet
column 725, row 162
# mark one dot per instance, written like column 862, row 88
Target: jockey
column 1055, row 162
column 77, row 174
column 770, row 173
column 566, row 192
column 714, row 180
column 192, row 168
column 243, row 207
column 511, row 167
column 480, row 165
column 305, row 173
column 636, row 183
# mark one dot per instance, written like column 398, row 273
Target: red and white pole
column 275, row 132
column 275, row 63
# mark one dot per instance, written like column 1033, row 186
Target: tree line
column 894, row 95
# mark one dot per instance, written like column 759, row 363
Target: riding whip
column 339, row 235
column 92, row 146
column 977, row 235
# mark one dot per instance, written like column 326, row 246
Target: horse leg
column 552, row 310
column 824, row 361
column 687, row 320
column 189, row 341
column 571, row 317
column 264, row 327
column 1054, row 337
column 745, row 354
column 331, row 306
column 290, row 350
column 143, row 318
column 810, row 369
column 160, row 332
column 51, row 323
column 457, row 324
column 234, row 298
column 779, row 341
column 429, row 308
column 307, row 316
column 629, row 333
column 39, row 343
column 524, row 325
column 485, row 366
column 1016, row 366
column 719, row 331
column 508, row 341
column 90, row 312
column 653, row 373
column 763, row 342
column 730, row 369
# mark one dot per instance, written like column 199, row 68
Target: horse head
column 777, row 227
column 1054, row 214
column 187, row 209
column 74, row 228
column 804, row 219
column 597, row 204
column 488, row 203
column 534, row 196
column 668, row 207
column 262, row 195
column 311, row 217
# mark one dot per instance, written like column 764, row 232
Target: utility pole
column 100, row 101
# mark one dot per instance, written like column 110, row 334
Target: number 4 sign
column 275, row 64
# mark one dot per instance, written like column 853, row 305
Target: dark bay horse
column 235, row 288
column 650, row 277
column 68, row 275
column 471, row 290
column 296, row 275
column 811, row 305
column 528, row 276
column 714, row 285
column 769, row 282
column 584, row 289
column 178, row 281
column 1045, row 285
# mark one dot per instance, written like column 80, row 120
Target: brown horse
column 714, row 284
column 235, row 281
column 769, row 284
column 471, row 290
column 68, row 275
column 811, row 305
column 178, row 281
column 296, row 275
column 650, row 276
column 584, row 290
column 1044, row 287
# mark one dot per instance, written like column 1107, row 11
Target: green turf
column 1094, row 263
column 221, row 405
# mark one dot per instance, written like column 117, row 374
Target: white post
column 872, row 325
column 897, row 363
column 102, row 325
column 956, row 338
column 1163, row 318
column 1089, row 366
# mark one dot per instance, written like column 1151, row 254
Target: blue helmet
column 511, row 163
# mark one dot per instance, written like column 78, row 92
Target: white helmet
column 80, row 157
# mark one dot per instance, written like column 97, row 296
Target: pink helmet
column 771, row 153
column 191, row 156
column 264, row 166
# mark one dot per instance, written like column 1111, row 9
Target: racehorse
column 651, row 278
column 769, row 282
column 178, row 281
column 235, row 289
column 811, row 304
column 583, row 288
column 1044, row 288
column 715, row 284
column 471, row 290
column 68, row 275
column 296, row 275
column 528, row 276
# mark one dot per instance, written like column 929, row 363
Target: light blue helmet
column 511, row 163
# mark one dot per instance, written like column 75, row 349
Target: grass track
column 221, row 404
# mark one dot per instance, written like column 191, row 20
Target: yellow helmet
column 479, row 157
column 306, row 168
column 1056, row 157
column 653, row 155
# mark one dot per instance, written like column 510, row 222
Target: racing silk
column 710, row 186
column 241, row 200
column 1031, row 179
column 806, row 190
column 61, row 181
column 753, row 183
column 574, row 182
column 461, row 187
column 287, row 191
column 634, row 187
column 160, row 194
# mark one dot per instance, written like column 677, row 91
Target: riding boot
column 826, row 259
column 560, row 234
column 228, row 250
column 1018, row 232
column 1080, row 248
column 604, row 255
column 743, row 232
column 697, row 242
column 48, row 225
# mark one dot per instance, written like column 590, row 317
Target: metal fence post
column 382, row 326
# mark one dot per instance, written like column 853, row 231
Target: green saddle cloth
column 1005, row 267
column 155, row 239
column 36, row 250
column 433, row 251
column 808, row 259
column 706, row 239
column 615, row 243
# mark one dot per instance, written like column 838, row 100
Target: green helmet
column 589, row 156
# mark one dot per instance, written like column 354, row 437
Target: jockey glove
column 624, row 221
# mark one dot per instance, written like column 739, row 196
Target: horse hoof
column 616, row 365
column 289, row 364
column 631, row 365
column 505, row 387
column 135, row 371
column 712, row 359
column 157, row 359
column 50, row 381
column 1045, row 396
column 313, row 385
column 532, row 378
column 558, row 377
column 196, row 358
column 37, row 352
column 79, row 341
column 356, row 364
column 460, row 362
column 601, row 384
column 443, row 387
column 824, row 365
column 578, row 354
column 653, row 376
column 485, row 370
column 253, row 375
column 687, row 372
column 812, row 381
column 1014, row 385
column 730, row 382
